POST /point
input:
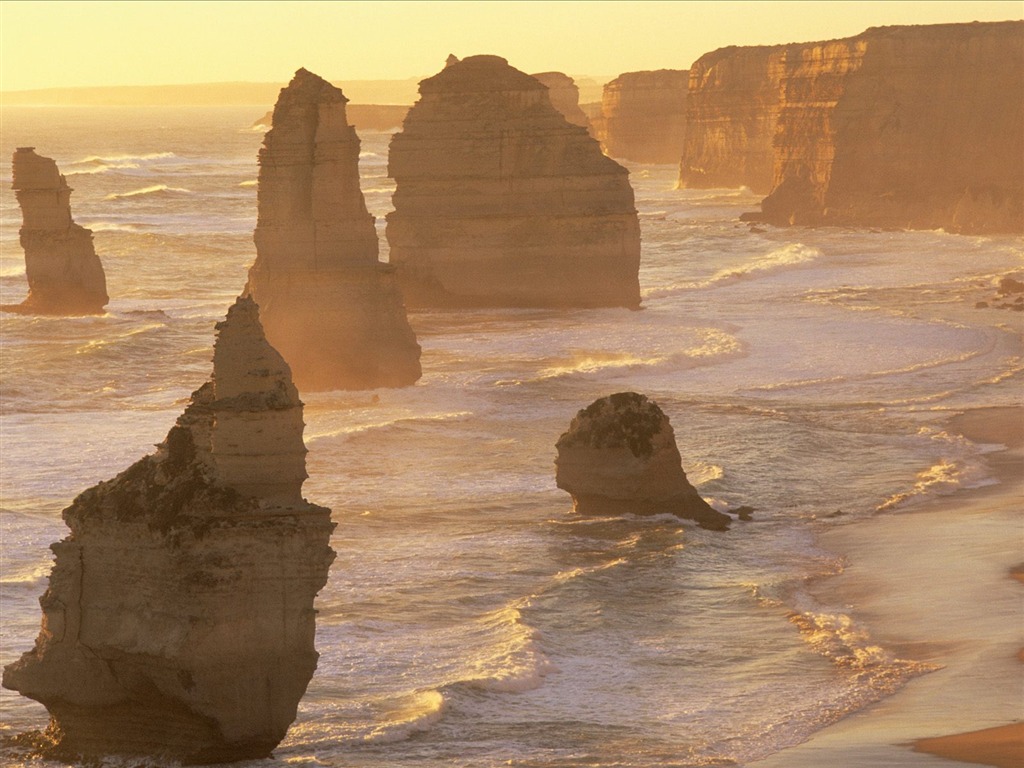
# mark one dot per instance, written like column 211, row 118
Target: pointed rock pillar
column 329, row 306
column 65, row 276
column 178, row 623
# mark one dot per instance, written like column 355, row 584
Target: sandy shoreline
column 939, row 584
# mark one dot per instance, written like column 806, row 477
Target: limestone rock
column 644, row 116
column 362, row 117
column 564, row 96
column 179, row 619
column 915, row 127
column 500, row 201
column 732, row 106
column 328, row 305
column 619, row 456
column 918, row 127
column 65, row 276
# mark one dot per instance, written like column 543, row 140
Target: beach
column 939, row 584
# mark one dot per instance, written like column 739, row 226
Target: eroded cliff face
column 732, row 106
column 65, row 276
column 619, row 456
column 328, row 305
column 500, row 201
column 644, row 116
column 179, row 622
column 564, row 96
column 917, row 127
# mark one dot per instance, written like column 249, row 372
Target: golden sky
column 63, row 44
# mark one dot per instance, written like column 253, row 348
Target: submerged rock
column 331, row 308
column 179, row 617
column 65, row 276
column 619, row 456
column 500, row 201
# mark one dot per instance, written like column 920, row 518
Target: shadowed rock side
column 644, row 116
column 732, row 106
column 564, row 96
column 179, row 616
column 917, row 127
column 619, row 456
column 500, row 201
column 64, row 273
column 328, row 305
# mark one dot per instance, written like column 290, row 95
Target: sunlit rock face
column 500, row 201
column 644, row 116
column 732, row 106
column 65, row 276
column 564, row 96
column 328, row 305
column 919, row 127
column 179, row 619
column 619, row 456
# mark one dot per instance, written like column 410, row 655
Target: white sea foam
column 155, row 189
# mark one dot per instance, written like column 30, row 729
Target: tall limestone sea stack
column 500, row 201
column 65, row 276
column 564, row 96
column 179, row 619
column 619, row 456
column 643, row 116
column 331, row 308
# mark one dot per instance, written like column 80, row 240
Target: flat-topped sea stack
column 914, row 127
column 500, row 201
column 65, row 276
column 329, row 306
column 644, row 116
column 179, row 621
column 619, row 456
column 732, row 106
column 565, row 96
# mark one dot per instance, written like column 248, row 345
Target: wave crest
column 161, row 190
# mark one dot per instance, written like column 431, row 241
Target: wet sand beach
column 939, row 584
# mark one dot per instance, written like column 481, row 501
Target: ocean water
column 471, row 619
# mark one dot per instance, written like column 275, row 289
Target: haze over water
column 470, row 618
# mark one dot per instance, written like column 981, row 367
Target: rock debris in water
column 500, row 201
column 65, row 276
column 329, row 306
column 179, row 616
column 619, row 456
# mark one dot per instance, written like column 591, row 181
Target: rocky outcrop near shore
column 331, row 308
column 500, row 201
column 732, row 106
column 644, row 116
column 619, row 456
column 179, row 623
column 564, row 96
column 906, row 127
column 65, row 276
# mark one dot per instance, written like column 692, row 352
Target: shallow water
column 470, row 618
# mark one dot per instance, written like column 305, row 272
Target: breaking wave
column 161, row 190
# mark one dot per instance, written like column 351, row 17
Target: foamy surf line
column 155, row 189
